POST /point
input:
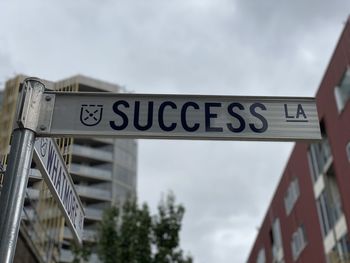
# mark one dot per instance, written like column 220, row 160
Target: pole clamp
column 28, row 107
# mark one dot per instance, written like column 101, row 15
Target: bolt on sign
column 178, row 116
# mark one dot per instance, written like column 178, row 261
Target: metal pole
column 13, row 191
column 17, row 170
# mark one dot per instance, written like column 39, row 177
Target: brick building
column 308, row 219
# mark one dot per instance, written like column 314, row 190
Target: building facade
column 308, row 219
column 104, row 172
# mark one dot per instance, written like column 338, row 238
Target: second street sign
column 178, row 116
column 53, row 169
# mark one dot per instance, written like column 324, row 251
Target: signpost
column 17, row 169
column 178, row 117
column 54, row 171
column 42, row 113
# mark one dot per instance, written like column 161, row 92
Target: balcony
column 90, row 172
column 89, row 235
column 93, row 193
column 93, row 214
column 32, row 193
column 35, row 174
column 92, row 153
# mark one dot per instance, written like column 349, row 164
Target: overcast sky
column 221, row 47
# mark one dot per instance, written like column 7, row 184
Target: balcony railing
column 92, row 153
column 88, row 234
column 93, row 214
column 33, row 194
column 35, row 174
column 93, row 193
column 91, row 172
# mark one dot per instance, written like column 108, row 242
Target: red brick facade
column 319, row 239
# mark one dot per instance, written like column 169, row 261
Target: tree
column 108, row 236
column 135, row 233
column 81, row 253
column 132, row 235
column 166, row 230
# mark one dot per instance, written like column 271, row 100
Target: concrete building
column 308, row 219
column 104, row 172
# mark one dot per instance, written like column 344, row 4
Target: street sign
column 55, row 114
column 54, row 171
column 178, row 116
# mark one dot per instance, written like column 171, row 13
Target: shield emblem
column 91, row 115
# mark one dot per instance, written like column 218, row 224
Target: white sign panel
column 54, row 171
column 179, row 116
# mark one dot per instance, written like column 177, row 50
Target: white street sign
column 178, row 116
column 54, row 171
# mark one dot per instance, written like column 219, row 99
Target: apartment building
column 308, row 219
column 104, row 172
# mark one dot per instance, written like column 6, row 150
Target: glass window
column 342, row 92
column 318, row 155
column 298, row 241
column 324, row 214
column 261, row 256
column 333, row 194
column 344, row 247
column 276, row 240
column 291, row 195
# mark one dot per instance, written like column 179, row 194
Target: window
column 319, row 154
column 340, row 251
column 344, row 247
column 324, row 214
column 292, row 195
column 298, row 241
column 261, row 256
column 276, row 240
column 333, row 194
column 342, row 92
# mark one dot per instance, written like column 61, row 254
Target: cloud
column 187, row 46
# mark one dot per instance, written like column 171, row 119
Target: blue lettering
column 286, row 112
column 58, row 183
column 259, row 116
column 162, row 125
column 50, row 158
column 300, row 110
column 183, row 116
column 209, row 115
column 54, row 172
column 137, row 116
column 241, row 126
column 121, row 114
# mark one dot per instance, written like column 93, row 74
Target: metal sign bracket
column 29, row 105
column 47, row 107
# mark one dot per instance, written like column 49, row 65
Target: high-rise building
column 104, row 172
column 308, row 219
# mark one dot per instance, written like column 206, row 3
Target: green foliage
column 135, row 233
column 108, row 236
column 81, row 253
column 166, row 230
column 132, row 235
